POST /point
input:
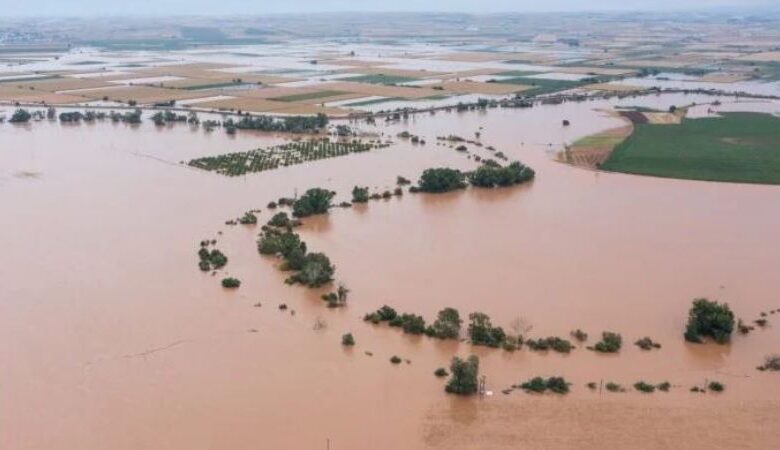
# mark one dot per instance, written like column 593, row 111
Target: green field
column 308, row 96
column 379, row 79
column 738, row 147
column 541, row 85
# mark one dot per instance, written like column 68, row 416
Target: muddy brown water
column 110, row 337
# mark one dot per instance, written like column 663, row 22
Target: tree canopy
column 711, row 319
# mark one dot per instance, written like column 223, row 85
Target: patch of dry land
column 614, row 87
column 591, row 151
column 381, row 90
column 143, row 94
column 773, row 56
column 64, row 84
column 723, row 77
column 23, row 95
column 474, row 87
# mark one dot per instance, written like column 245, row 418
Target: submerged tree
column 314, row 201
column 359, row 194
column 465, row 373
column 482, row 332
column 441, row 179
column 447, row 324
column 709, row 318
column 20, row 116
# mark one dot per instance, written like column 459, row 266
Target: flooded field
column 112, row 338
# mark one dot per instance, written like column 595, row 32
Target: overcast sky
column 166, row 7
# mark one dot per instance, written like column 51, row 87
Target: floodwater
column 110, row 336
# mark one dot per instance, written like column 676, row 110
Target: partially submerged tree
column 314, row 201
column 482, row 332
column 447, row 324
column 465, row 373
column 709, row 319
column 441, row 179
column 360, row 194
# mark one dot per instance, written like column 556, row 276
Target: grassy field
column 739, row 147
column 380, row 79
column 308, row 96
column 541, row 86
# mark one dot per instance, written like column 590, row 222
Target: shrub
column 313, row 201
column 592, row 385
column 555, row 343
column 610, row 343
column 447, row 324
column 230, row 283
column 401, row 181
column 539, row 385
column 716, row 386
column 441, row 372
column 493, row 175
column 708, row 318
column 385, row 313
column 204, row 265
column 641, row 386
column 280, row 220
column 412, row 324
column 579, row 335
column 348, row 340
column 441, row 180
column 614, row 387
column 647, row 344
column 20, row 116
column 395, row 359
column 664, row 386
column 482, row 332
column 771, row 363
column 359, row 194
column 464, row 376
column 249, row 218
column 315, row 270
column 535, row 384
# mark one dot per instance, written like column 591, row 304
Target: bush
column 555, row 343
column 610, row 343
column 249, row 218
column 771, row 363
column 412, row 324
column 664, row 386
column 647, row 344
column 230, row 283
column 348, row 340
column 447, row 324
column 465, row 373
column 401, row 181
column 20, row 116
column 614, row 387
column 539, row 385
column 441, row 180
column 314, row 201
column 716, row 386
column 493, row 175
column 441, row 372
column 641, row 386
column 482, row 332
column 359, row 194
column 395, row 359
column 316, row 270
column 579, row 335
column 708, row 318
column 383, row 314
column 280, row 220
